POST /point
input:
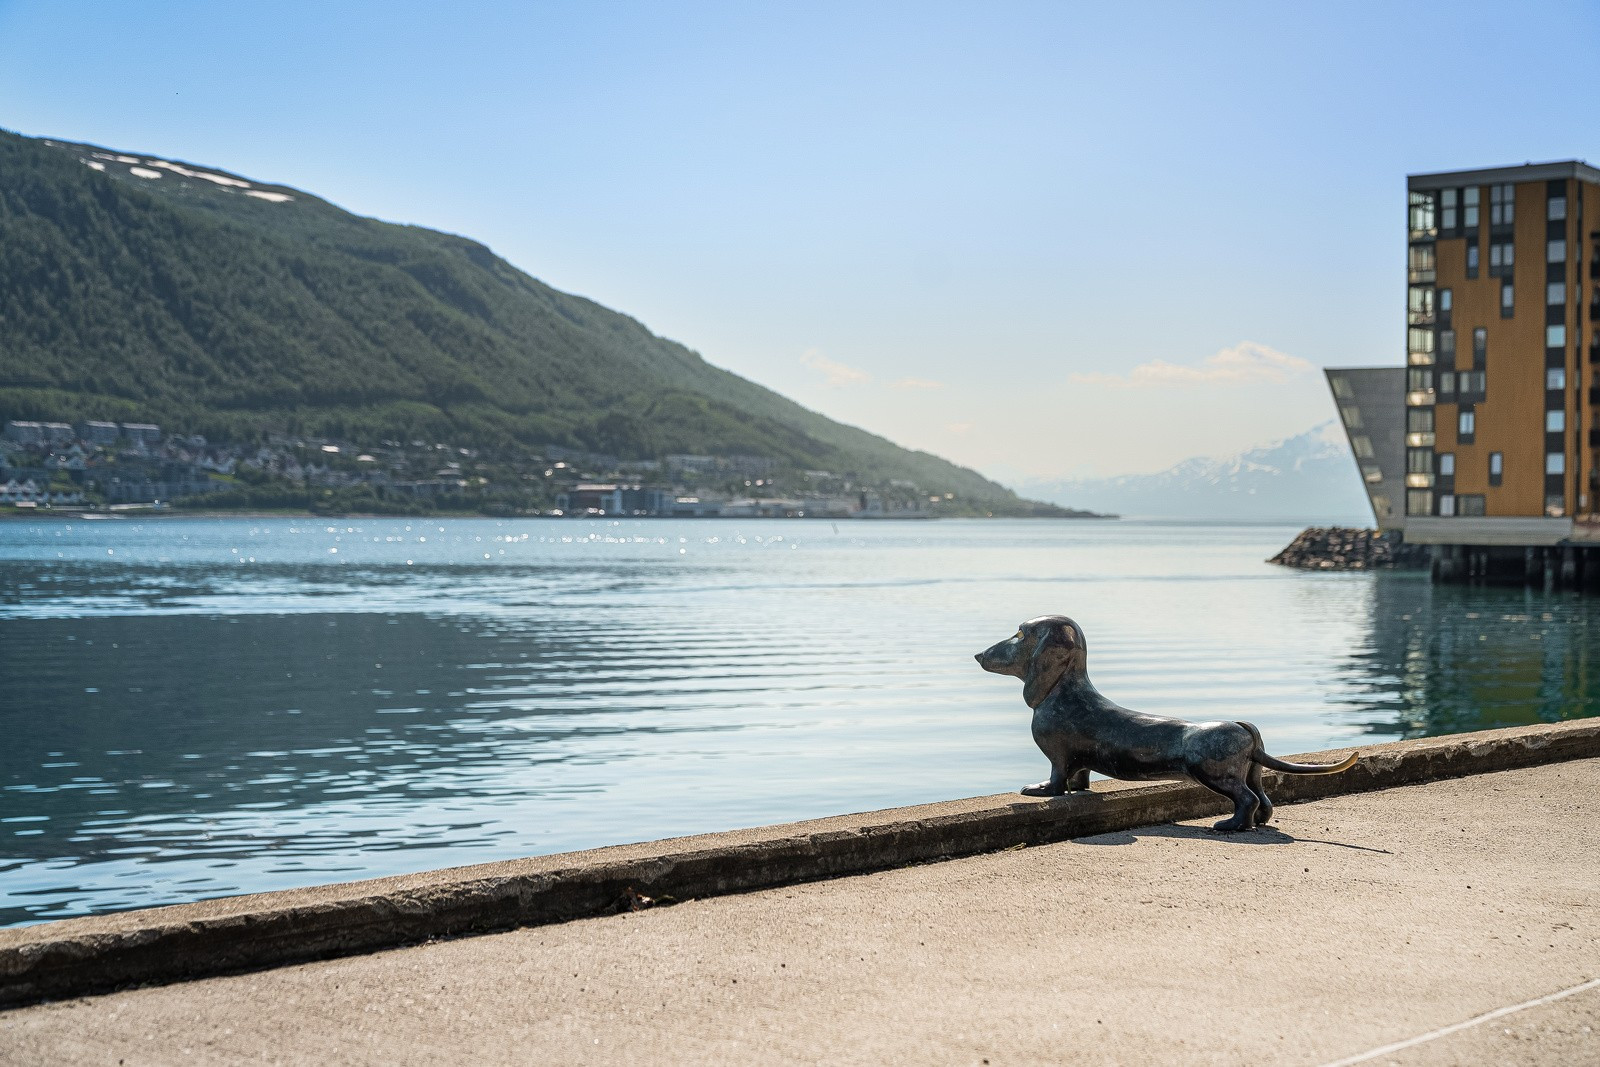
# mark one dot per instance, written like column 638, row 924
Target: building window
column 1448, row 209
column 1418, row 420
column 1555, row 463
column 1422, row 262
column 1419, row 461
column 1555, row 251
column 1419, row 341
column 1470, row 505
column 1447, row 383
column 1472, row 261
column 1422, row 213
column 1556, row 210
column 1555, row 293
column 1341, row 388
column 1507, row 300
column 1474, row 381
column 1447, row 505
column 1447, row 464
column 1502, row 205
column 1362, row 446
column 1469, row 208
column 1555, row 336
column 1447, row 345
column 1497, row 467
column 1420, row 303
column 1444, row 301
column 1419, row 379
column 1555, row 378
column 1555, row 421
column 1480, row 346
column 1466, row 424
column 1351, row 416
column 1419, row 502
column 1502, row 257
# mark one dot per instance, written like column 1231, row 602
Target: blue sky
column 1041, row 239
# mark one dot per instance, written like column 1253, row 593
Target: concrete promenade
column 1355, row 923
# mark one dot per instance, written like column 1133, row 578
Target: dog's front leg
column 1061, row 780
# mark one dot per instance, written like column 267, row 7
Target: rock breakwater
column 1344, row 548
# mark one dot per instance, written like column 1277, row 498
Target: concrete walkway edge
column 73, row 957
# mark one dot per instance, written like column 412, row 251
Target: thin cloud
column 959, row 427
column 1246, row 363
column 918, row 383
column 836, row 373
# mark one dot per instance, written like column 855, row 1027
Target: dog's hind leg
column 1253, row 779
column 1245, row 801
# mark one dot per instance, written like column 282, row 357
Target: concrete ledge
column 97, row 953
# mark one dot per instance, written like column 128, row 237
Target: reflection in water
column 1442, row 659
column 197, row 708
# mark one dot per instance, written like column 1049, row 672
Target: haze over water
column 194, row 708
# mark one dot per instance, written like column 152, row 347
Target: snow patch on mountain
column 149, row 168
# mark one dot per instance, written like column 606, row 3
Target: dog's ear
column 1051, row 658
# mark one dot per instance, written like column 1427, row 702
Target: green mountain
column 137, row 288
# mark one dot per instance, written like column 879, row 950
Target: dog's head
column 1041, row 652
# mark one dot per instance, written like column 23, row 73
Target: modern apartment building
column 1501, row 400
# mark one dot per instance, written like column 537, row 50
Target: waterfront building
column 1372, row 408
column 612, row 499
column 1495, row 406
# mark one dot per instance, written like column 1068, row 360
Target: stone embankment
column 1344, row 548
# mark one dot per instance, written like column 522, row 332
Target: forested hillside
column 135, row 288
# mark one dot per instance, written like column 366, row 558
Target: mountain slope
column 1304, row 478
column 133, row 287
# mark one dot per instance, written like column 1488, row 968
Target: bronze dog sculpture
column 1080, row 731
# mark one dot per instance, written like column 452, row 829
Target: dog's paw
column 1042, row 789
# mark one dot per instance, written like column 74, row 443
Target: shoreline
column 100, row 516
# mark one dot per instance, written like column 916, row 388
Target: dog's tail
column 1259, row 755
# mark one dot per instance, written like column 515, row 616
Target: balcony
column 1421, row 318
column 1419, row 481
column 1421, row 276
column 1420, row 398
column 1420, row 359
column 1419, row 440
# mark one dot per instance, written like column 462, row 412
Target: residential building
column 23, row 432
column 142, row 434
column 1501, row 446
column 98, row 433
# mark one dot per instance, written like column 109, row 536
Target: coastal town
column 128, row 466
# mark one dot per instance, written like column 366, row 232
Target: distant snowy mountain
column 1310, row 478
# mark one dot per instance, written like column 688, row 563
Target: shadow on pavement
column 1261, row 835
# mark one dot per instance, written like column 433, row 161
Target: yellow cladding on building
column 1501, row 444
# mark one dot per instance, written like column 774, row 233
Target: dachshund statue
column 1080, row 731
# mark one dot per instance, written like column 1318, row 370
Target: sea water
column 191, row 708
